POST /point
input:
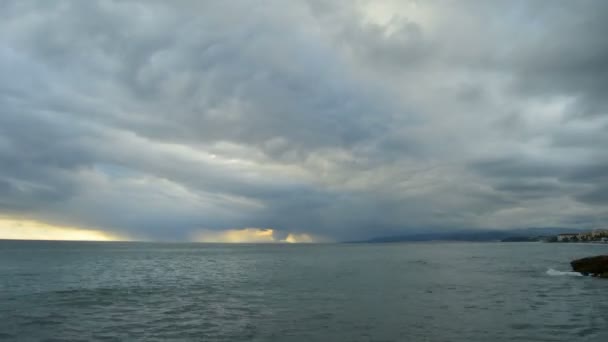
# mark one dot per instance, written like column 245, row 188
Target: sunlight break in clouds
column 17, row 229
column 249, row 235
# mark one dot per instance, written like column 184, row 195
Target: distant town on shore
column 548, row 234
column 596, row 235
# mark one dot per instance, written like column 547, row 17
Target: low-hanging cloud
column 336, row 119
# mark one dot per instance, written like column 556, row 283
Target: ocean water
column 62, row 291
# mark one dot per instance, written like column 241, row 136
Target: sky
column 301, row 120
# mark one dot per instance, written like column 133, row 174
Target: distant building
column 567, row 237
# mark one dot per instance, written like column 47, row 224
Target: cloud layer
column 337, row 119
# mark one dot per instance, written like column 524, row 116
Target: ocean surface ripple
column 61, row 291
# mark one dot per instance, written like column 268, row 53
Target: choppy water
column 382, row 292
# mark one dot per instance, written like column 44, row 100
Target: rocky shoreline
column 596, row 266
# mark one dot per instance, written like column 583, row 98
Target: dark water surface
column 367, row 292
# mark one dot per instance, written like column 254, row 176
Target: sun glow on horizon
column 23, row 229
column 249, row 235
column 299, row 238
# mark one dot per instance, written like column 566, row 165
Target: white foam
column 553, row 272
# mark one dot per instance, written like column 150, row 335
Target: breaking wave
column 553, row 272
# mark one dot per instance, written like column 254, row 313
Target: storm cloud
column 339, row 120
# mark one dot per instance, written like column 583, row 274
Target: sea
column 87, row 291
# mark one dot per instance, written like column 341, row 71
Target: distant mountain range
column 524, row 234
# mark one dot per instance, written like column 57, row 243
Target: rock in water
column 596, row 266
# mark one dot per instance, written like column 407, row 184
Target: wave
column 553, row 272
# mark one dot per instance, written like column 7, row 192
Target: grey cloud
column 158, row 119
column 597, row 196
column 518, row 167
column 591, row 173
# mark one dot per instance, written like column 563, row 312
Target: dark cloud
column 335, row 118
column 597, row 196
column 517, row 167
column 593, row 173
